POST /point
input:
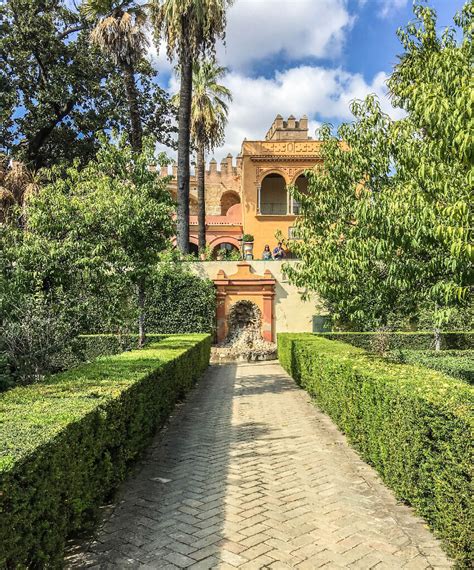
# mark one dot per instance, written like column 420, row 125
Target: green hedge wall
column 455, row 363
column 66, row 443
column 179, row 302
column 414, row 425
column 88, row 347
column 405, row 340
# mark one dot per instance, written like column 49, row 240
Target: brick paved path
column 250, row 474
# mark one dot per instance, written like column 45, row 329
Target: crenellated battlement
column 214, row 175
column 291, row 129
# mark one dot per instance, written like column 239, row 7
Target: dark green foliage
column 88, row 347
column 456, row 363
column 57, row 92
column 405, row 340
column 66, row 443
column 414, row 425
column 180, row 302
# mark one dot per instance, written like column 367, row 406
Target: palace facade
column 251, row 195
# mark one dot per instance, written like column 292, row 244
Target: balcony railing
column 273, row 209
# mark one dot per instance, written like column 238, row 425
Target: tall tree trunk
column 141, row 313
column 437, row 339
column 184, row 134
column 201, row 192
column 34, row 145
column 136, row 130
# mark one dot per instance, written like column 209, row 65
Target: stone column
column 220, row 315
column 267, row 317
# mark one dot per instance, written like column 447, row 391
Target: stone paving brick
column 249, row 474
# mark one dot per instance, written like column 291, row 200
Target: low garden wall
column 414, row 425
column 66, row 443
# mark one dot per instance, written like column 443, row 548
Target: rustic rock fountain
column 244, row 340
column 244, row 315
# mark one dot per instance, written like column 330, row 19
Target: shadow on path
column 249, row 474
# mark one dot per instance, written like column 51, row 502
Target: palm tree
column 120, row 34
column 208, row 120
column 190, row 28
column 17, row 184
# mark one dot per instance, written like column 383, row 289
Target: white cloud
column 257, row 29
column 293, row 30
column 388, row 7
column 320, row 93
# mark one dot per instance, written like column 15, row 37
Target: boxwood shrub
column 413, row 424
column 88, row 347
column 421, row 340
column 66, row 443
column 456, row 363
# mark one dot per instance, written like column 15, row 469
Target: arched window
column 224, row 250
column 193, row 249
column 273, row 196
column 228, row 199
column 302, row 184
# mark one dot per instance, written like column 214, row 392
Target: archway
column 229, row 199
column 225, row 250
column 244, row 318
column 302, row 184
column 193, row 249
column 273, row 195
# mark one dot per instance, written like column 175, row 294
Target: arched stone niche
column 245, row 285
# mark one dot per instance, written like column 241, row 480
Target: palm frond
column 120, row 29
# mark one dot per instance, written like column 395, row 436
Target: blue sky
column 307, row 57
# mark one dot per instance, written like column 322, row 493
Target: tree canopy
column 386, row 226
column 57, row 91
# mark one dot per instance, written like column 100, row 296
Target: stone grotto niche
column 244, row 338
column 244, row 323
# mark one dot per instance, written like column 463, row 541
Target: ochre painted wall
column 288, row 151
column 289, row 159
column 291, row 313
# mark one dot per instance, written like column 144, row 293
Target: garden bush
column 180, row 302
column 420, row 340
column 455, row 363
column 88, row 347
column 414, row 425
column 66, row 443
column 75, row 351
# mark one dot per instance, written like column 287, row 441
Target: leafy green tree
column 386, row 224
column 190, row 29
column 112, row 219
column 208, row 120
column 57, row 91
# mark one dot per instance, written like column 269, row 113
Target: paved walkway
column 249, row 474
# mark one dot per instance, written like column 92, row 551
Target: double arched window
column 274, row 198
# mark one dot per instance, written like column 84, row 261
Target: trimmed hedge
column 66, row 443
column 422, row 340
column 88, row 347
column 455, row 363
column 414, row 425
column 180, row 302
